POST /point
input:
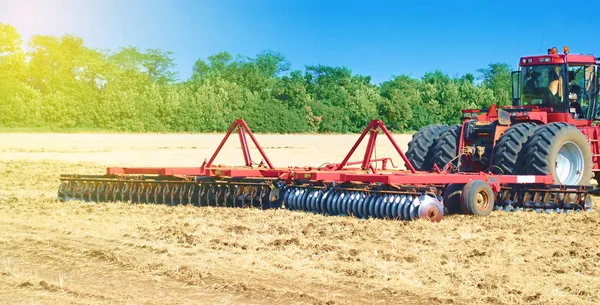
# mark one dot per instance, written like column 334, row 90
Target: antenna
column 542, row 43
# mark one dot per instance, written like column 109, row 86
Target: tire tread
column 539, row 149
column 445, row 148
column 508, row 152
column 419, row 148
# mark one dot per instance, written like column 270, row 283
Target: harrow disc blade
column 366, row 206
column 232, row 192
column 394, row 207
column 177, row 194
column 414, row 208
column 302, row 200
column 406, row 209
column 324, row 205
column 294, row 192
column 344, row 203
column 317, row 203
column 332, row 205
column 372, row 204
column 378, row 206
column 383, row 208
column 360, row 203
column 358, row 198
column 296, row 204
column 286, row 198
column 431, row 208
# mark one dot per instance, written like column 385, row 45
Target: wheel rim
column 482, row 201
column 569, row 164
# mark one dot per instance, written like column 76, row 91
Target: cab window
column 542, row 85
column 581, row 90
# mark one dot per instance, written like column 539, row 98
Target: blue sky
column 376, row 38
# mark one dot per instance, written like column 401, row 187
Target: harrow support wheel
column 477, row 198
column 452, row 194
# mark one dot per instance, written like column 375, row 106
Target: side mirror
column 516, row 87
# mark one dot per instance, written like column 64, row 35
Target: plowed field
column 119, row 253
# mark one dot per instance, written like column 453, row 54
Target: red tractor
column 549, row 129
column 538, row 154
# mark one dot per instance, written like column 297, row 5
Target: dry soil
column 118, row 253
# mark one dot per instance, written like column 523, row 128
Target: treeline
column 59, row 83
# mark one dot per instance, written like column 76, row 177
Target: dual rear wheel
column 560, row 150
column 420, row 148
column 556, row 149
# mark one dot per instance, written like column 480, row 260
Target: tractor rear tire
column 419, row 148
column 560, row 150
column 445, row 148
column 509, row 157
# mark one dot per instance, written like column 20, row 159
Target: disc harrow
column 336, row 189
column 363, row 203
column 201, row 192
column 551, row 199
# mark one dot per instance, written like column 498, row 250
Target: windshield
column 542, row 85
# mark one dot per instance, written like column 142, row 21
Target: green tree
column 401, row 96
column 19, row 102
column 154, row 64
column 59, row 82
column 497, row 78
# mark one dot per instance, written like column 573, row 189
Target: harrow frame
column 213, row 184
column 337, row 172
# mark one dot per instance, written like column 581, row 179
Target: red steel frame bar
column 384, row 162
column 245, row 148
column 165, row 171
column 243, row 130
column 374, row 127
column 369, row 150
column 334, row 172
column 242, row 126
column 231, row 128
column 420, row 178
column 400, row 152
column 262, row 153
column 351, row 152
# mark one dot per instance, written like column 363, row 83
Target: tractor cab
column 551, row 128
column 558, row 83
